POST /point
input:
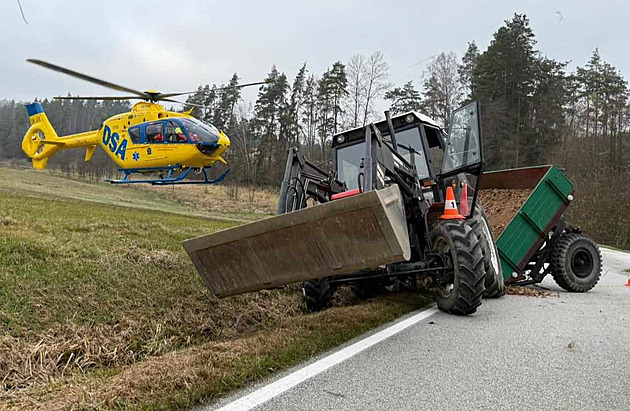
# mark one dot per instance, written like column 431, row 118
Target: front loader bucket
column 338, row 237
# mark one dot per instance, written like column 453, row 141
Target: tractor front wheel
column 461, row 251
column 576, row 262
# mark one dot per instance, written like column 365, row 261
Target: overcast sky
column 175, row 46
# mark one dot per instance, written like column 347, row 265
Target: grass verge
column 101, row 308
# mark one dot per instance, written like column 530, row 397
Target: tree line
column 534, row 111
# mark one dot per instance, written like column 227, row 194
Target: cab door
column 462, row 164
column 463, row 150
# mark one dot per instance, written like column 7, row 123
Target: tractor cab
column 421, row 154
column 415, row 134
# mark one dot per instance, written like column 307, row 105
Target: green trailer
column 537, row 241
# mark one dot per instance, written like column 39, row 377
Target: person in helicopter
column 181, row 137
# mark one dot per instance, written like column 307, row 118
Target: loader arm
column 303, row 180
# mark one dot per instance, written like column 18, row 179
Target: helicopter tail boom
column 41, row 140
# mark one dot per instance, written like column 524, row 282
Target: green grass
column 101, row 307
column 73, row 256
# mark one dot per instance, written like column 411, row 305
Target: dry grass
column 200, row 373
column 228, row 203
column 243, row 201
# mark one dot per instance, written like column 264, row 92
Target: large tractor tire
column 494, row 283
column 576, row 262
column 461, row 248
column 318, row 295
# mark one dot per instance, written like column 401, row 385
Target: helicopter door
column 155, row 132
column 134, row 134
column 175, row 132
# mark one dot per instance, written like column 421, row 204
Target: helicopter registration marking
column 112, row 141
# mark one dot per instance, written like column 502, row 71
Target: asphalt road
column 565, row 351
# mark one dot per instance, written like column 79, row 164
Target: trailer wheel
column 318, row 295
column 461, row 249
column 576, row 262
column 495, row 286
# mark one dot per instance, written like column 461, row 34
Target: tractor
column 455, row 258
column 375, row 220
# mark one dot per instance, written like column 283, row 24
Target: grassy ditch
column 101, row 308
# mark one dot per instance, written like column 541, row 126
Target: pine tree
column 404, row 99
column 309, row 115
column 504, row 81
column 228, row 98
column 467, row 69
column 269, row 111
column 331, row 90
column 295, row 107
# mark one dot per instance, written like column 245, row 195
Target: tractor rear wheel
column 576, row 262
column 461, row 251
column 495, row 286
column 318, row 294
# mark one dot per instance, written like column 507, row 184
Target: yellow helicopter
column 146, row 140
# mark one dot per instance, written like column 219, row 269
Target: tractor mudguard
column 338, row 237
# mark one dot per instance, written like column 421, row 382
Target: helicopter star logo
column 136, row 156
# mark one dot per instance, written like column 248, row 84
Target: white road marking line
column 284, row 384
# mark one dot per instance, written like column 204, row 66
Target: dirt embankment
column 501, row 204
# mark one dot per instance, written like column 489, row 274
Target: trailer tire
column 576, row 262
column 461, row 246
column 494, row 283
column 318, row 294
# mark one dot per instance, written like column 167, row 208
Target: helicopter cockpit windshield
column 199, row 131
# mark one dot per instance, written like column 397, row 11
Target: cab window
column 155, row 132
column 174, row 133
column 134, row 134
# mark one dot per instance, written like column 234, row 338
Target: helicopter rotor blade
column 88, row 78
column 166, row 95
column 183, row 103
column 96, row 98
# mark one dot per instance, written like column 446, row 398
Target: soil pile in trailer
column 501, row 204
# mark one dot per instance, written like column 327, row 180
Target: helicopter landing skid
column 170, row 178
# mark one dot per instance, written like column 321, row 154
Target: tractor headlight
column 341, row 138
column 409, row 118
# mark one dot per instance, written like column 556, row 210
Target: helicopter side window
column 174, row 133
column 134, row 133
column 155, row 133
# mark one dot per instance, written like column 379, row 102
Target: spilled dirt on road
column 529, row 291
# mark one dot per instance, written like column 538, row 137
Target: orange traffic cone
column 628, row 283
column 463, row 200
column 450, row 207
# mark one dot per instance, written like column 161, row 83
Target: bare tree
column 442, row 89
column 376, row 73
column 356, row 87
